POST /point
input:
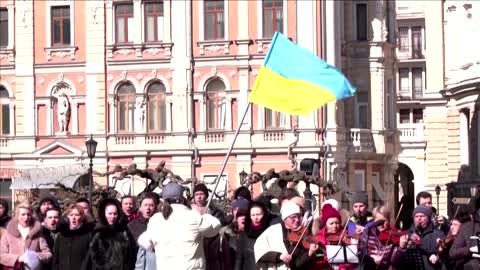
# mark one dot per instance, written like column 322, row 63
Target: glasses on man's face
column 295, row 217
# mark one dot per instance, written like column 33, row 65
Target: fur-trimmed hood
column 102, row 223
column 35, row 229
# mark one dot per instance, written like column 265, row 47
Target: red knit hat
column 327, row 212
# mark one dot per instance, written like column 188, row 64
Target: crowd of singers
column 168, row 231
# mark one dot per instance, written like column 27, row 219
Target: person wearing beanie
column 46, row 202
column 240, row 204
column 272, row 249
column 360, row 217
column 465, row 249
column 330, row 225
column 242, row 192
column 422, row 244
column 177, row 233
column 212, row 246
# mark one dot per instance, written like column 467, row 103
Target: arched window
column 216, row 106
column 4, row 111
column 157, row 107
column 126, row 107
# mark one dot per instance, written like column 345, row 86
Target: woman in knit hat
column 330, row 225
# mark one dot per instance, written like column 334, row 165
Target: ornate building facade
column 437, row 97
column 169, row 80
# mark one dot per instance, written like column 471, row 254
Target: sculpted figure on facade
column 63, row 113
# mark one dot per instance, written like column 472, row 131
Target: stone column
column 24, row 71
column 464, row 138
column 95, row 66
column 137, row 18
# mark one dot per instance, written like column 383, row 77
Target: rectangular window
column 361, row 13
column 214, row 19
column 362, row 111
column 418, row 116
column 272, row 17
column 417, row 82
column 390, row 104
column 359, row 181
column 417, row 42
column 274, row 119
column 124, row 24
column 403, row 81
column 60, row 26
column 154, row 21
column 216, row 112
column 404, row 116
column 126, row 116
column 5, row 119
column 3, row 27
column 403, row 39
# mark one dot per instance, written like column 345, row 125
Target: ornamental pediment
column 58, row 148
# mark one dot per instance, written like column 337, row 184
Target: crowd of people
column 168, row 231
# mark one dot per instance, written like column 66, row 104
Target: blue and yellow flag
column 295, row 81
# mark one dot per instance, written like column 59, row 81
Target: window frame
column 49, row 35
column 273, row 20
column 61, row 19
column 218, row 97
column 403, row 35
column 6, row 33
column 159, row 97
column 156, row 14
column 124, row 16
column 129, row 98
column 415, row 92
column 280, row 120
column 5, row 101
column 216, row 35
column 356, row 21
column 359, row 104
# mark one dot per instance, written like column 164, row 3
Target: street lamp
column 437, row 191
column 91, row 145
column 243, row 176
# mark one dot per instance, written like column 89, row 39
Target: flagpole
column 217, row 180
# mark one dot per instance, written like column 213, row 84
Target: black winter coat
column 137, row 227
column 71, row 247
column 112, row 246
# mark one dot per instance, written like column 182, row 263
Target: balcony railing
column 411, row 133
column 409, row 53
column 360, row 139
column 3, row 142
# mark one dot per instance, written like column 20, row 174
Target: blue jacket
column 354, row 221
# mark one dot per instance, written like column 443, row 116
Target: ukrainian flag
column 295, row 81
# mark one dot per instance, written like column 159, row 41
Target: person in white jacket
column 176, row 234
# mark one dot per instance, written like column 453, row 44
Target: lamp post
column 437, row 191
column 91, row 145
column 243, row 176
